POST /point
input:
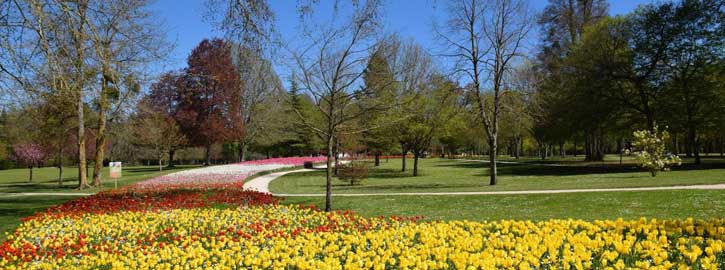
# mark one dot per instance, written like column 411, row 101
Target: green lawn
column 666, row 204
column 13, row 208
column 46, row 179
column 443, row 175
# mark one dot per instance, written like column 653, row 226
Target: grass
column 443, row 175
column 14, row 208
column 46, row 179
column 666, row 204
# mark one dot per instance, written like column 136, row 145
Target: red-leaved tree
column 29, row 154
column 208, row 97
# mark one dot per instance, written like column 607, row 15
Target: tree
column 249, row 23
column 124, row 37
column 330, row 66
column 487, row 36
column 153, row 129
column 696, row 59
column 258, row 83
column 29, row 154
column 164, row 99
column 209, row 98
column 379, row 135
column 433, row 106
column 652, row 154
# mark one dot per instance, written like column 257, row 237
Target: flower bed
column 270, row 236
column 218, row 225
column 222, row 174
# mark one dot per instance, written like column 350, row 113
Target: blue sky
column 185, row 24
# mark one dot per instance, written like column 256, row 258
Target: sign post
column 115, row 172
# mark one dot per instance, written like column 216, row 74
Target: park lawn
column 663, row 204
column 444, row 175
column 46, row 179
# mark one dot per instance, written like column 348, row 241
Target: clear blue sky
column 185, row 24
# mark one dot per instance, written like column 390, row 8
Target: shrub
column 354, row 172
column 651, row 153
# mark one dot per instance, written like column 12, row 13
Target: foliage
column 651, row 152
column 354, row 172
column 208, row 96
column 28, row 154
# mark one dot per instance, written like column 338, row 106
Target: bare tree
column 331, row 66
column 124, row 37
column 258, row 83
column 486, row 37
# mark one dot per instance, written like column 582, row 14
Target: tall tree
column 563, row 23
column 696, row 59
column 125, row 37
column 486, row 37
column 331, row 66
column 209, row 98
column 379, row 77
column 258, row 84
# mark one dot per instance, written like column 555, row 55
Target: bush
column 353, row 173
column 6, row 164
column 651, row 153
column 308, row 165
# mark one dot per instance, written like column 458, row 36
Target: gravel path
column 262, row 184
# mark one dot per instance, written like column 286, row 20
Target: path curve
column 262, row 184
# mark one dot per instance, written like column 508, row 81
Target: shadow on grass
column 564, row 170
column 15, row 188
column 12, row 209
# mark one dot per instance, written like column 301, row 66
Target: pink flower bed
column 212, row 176
column 296, row 161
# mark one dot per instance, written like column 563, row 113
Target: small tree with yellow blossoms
column 651, row 153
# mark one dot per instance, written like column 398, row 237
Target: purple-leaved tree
column 29, row 154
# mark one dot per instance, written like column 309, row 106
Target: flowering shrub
column 651, row 153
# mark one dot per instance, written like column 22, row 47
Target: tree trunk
column 574, row 146
column 207, row 155
column 337, row 156
column 100, row 145
column 492, row 159
column 242, row 151
column 594, row 146
column 328, row 176
column 675, row 145
column 82, row 166
column 30, row 178
column 562, row 152
column 695, row 142
column 377, row 159
column 60, row 167
column 415, row 162
column 721, row 146
column 171, row 158
column 404, row 154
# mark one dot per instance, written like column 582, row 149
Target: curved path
column 262, row 184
